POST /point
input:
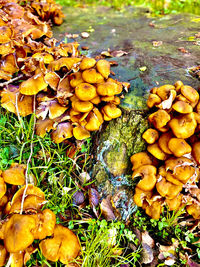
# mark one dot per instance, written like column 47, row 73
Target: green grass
column 156, row 6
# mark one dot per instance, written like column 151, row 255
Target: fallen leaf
column 118, row 53
column 107, row 209
column 183, row 50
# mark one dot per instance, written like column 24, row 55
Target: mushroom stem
column 8, row 264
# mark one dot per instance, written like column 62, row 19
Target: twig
column 11, row 80
column 29, row 159
column 8, row 264
column 18, row 115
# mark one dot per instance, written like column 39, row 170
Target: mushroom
column 15, row 174
column 140, row 159
column 174, row 203
column 92, row 76
column 154, row 209
column 159, row 118
column 164, row 140
column 87, row 63
column 179, row 147
column 196, row 152
column 182, row 107
column 76, row 79
column 111, row 111
column 107, row 89
column 85, row 91
column 148, row 174
column 18, row 233
column 150, row 136
column 194, row 210
column 164, row 91
column 183, row 126
column 33, row 85
column 155, row 150
column 140, row 197
column 80, row 133
column 3, row 186
column 190, row 93
column 103, row 67
column 153, row 100
column 178, row 85
column 167, row 189
column 64, row 245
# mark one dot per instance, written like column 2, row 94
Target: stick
column 11, row 80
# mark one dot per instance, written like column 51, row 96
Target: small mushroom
column 154, row 210
column 64, row 245
column 140, row 197
column 148, row 174
column 164, row 140
column 194, row 210
column 80, row 133
column 87, row 63
column 175, row 203
column 196, row 152
column 159, row 118
column 15, row 174
column 33, row 85
column 153, row 100
column 150, row 136
column 179, row 147
column 64, row 131
column 103, row 67
column 155, row 150
column 190, row 93
column 107, row 88
column 178, row 85
column 182, row 107
column 92, row 76
column 167, row 189
column 140, row 159
column 183, row 126
column 85, row 91
column 19, row 232
column 111, row 111
column 164, row 91
column 76, row 79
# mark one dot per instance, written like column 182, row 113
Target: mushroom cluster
column 71, row 95
column 169, row 169
column 24, row 221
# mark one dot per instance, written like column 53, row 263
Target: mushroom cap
column 53, row 79
column 119, row 85
column 154, row 210
column 64, row 245
column 3, row 255
column 148, row 174
column 15, row 174
column 107, row 88
column 82, row 106
column 96, row 100
column 172, row 179
column 167, row 189
column 156, row 151
column 93, row 121
column 140, row 159
column 153, row 100
column 85, row 91
column 92, row 76
column 182, row 107
column 164, row 140
column 159, row 118
column 112, row 111
column 150, row 136
column 103, row 67
column 80, row 133
column 45, row 57
column 68, row 62
column 3, row 187
column 76, row 79
column 140, row 196
column 183, row 126
column 5, row 34
column 179, row 147
column 64, row 131
column 178, row 85
column 194, row 210
column 116, row 100
column 164, row 91
column 108, row 98
column 196, row 152
column 19, row 232
column 190, row 93
column 45, row 224
column 33, row 85
column 181, row 168
column 175, row 203
column 87, row 63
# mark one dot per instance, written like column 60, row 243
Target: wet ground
column 145, row 65
column 134, row 31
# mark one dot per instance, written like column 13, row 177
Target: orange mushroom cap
column 194, row 210
column 179, row 147
column 3, row 187
column 64, row 131
column 80, row 133
column 64, row 245
column 3, row 255
column 159, row 118
column 164, row 140
column 103, row 67
column 112, row 111
column 167, row 189
column 85, row 91
column 15, row 174
column 154, row 210
column 107, row 88
column 196, row 152
column 76, row 79
column 19, row 232
column 92, row 76
column 183, row 126
column 182, row 107
column 140, row 196
column 175, row 203
column 148, row 174
column 190, row 93
column 164, row 91
column 33, row 85
column 87, row 63
column 140, row 159
column 153, row 100
column 150, row 136
column 155, row 150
